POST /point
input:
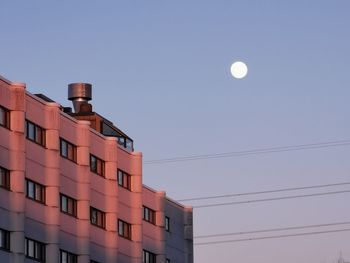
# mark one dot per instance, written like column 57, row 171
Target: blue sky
column 160, row 72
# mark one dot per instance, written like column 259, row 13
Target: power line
column 271, row 199
column 264, row 192
column 273, row 230
column 271, row 237
column 287, row 148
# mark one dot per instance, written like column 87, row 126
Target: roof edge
column 14, row 83
column 187, row 207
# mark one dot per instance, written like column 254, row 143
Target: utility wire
column 287, row 148
column 271, row 199
column 264, row 192
column 273, row 230
column 272, row 237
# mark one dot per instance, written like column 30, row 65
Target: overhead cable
column 272, row 230
column 264, row 191
column 258, row 151
column 272, row 237
column 271, row 199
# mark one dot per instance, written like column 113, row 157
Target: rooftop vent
column 79, row 94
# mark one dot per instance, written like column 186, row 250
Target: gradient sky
column 160, row 72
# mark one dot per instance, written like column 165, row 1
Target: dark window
column 97, row 165
column 68, row 150
column 4, row 178
column 4, row 117
column 125, row 142
column 148, row 257
column 68, row 257
column 97, row 217
column 149, row 215
column 167, row 260
column 4, row 239
column 167, row 223
column 124, row 229
column 124, row 179
column 68, row 205
column 35, row 133
column 35, row 191
column 35, row 250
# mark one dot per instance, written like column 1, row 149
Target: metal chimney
column 79, row 93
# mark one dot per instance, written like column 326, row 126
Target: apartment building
column 71, row 188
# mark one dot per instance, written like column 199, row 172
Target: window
column 35, row 250
column 123, row 140
column 97, row 217
column 4, row 239
column 148, row 257
column 4, row 178
column 35, row 133
column 35, row 191
column 124, row 179
column 68, row 150
column 67, row 257
column 167, row 224
column 149, row 215
column 124, row 229
column 68, row 205
column 4, row 117
column 167, row 260
column 97, row 165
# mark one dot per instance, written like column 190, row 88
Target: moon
column 239, row 70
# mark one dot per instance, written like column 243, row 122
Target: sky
column 160, row 71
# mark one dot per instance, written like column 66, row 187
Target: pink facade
column 69, row 193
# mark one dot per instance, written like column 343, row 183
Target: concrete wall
column 175, row 244
column 179, row 238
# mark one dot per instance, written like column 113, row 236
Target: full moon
column 239, row 70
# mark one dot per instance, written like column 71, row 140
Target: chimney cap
column 80, row 91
